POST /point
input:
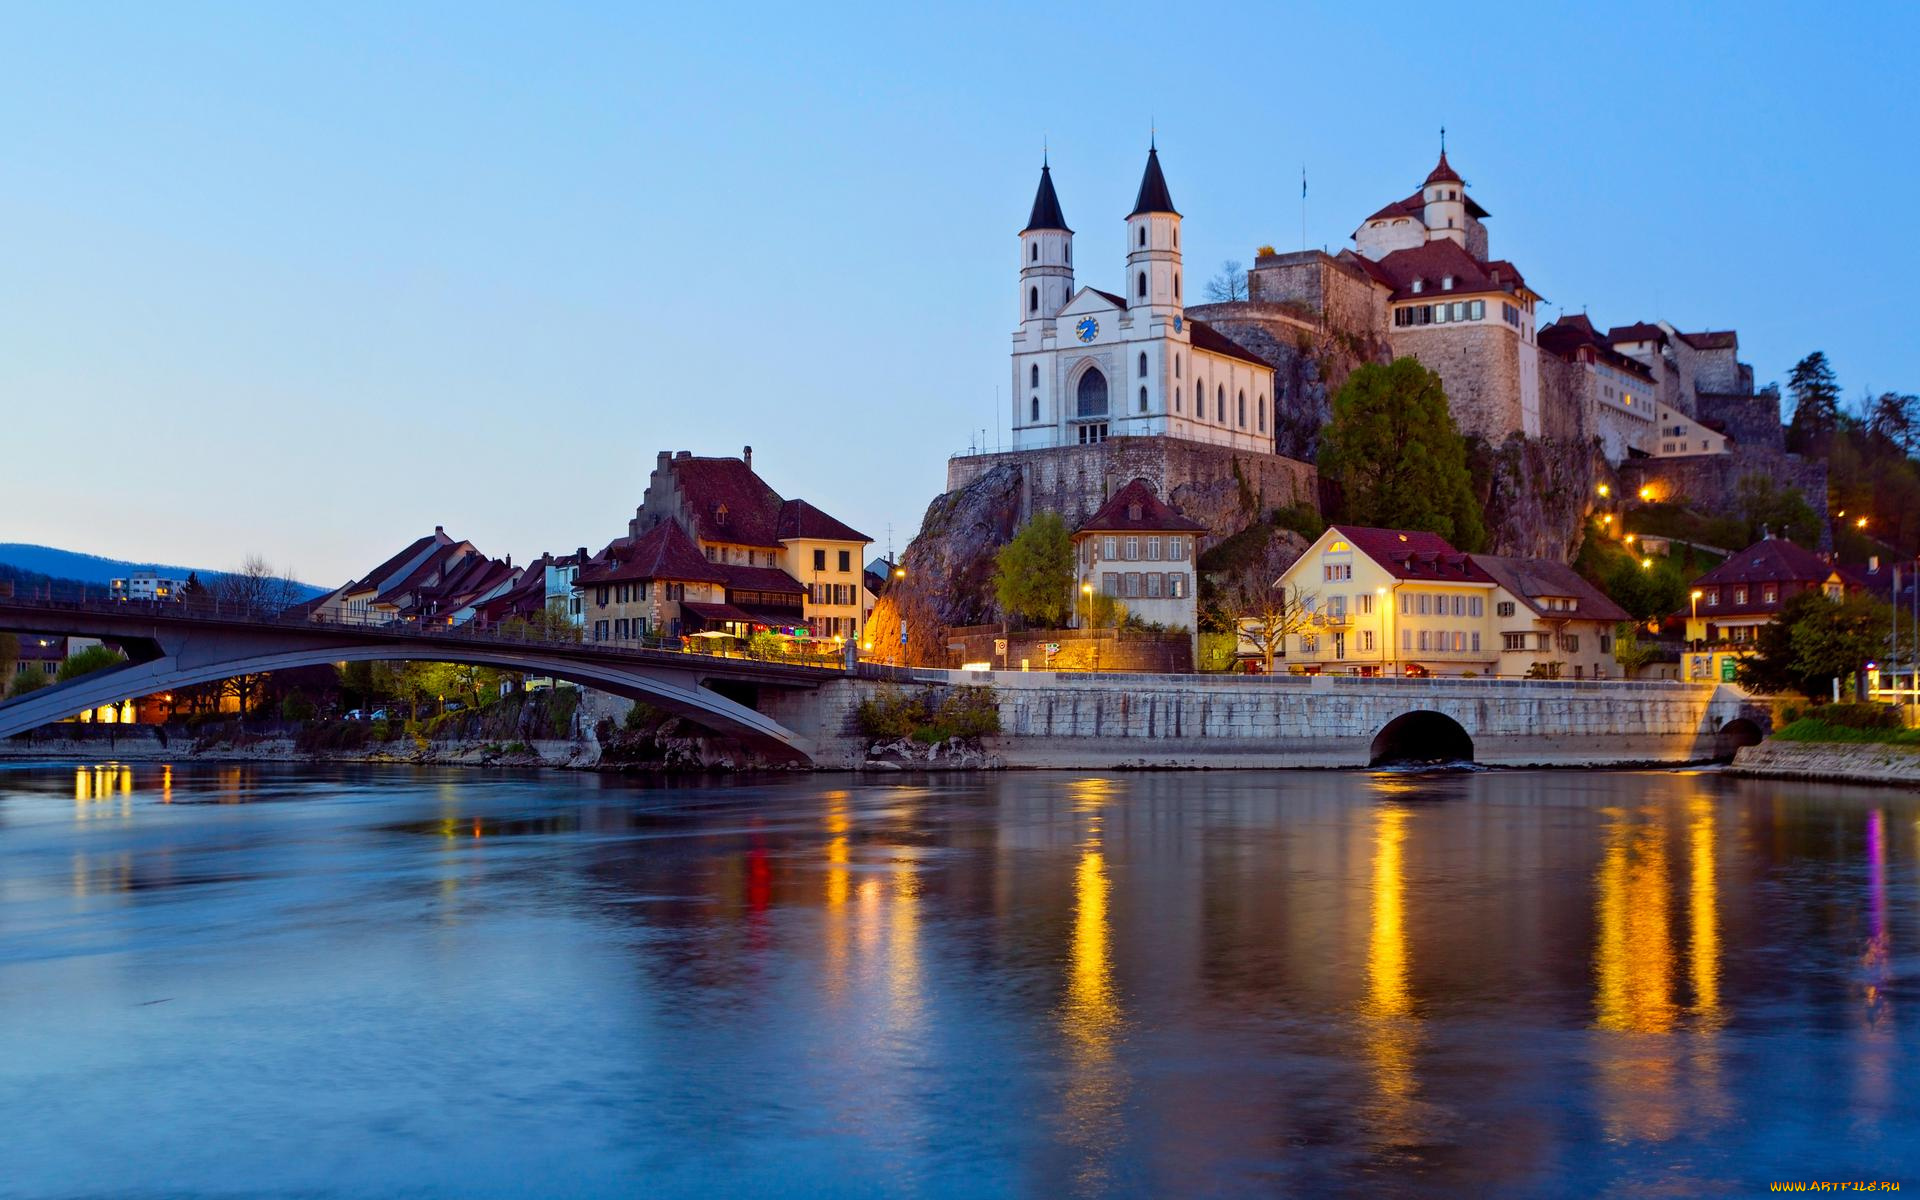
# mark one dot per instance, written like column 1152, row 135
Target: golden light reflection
column 1703, row 913
column 1634, row 983
column 1091, row 1017
column 839, row 887
column 903, row 946
column 1389, row 1027
column 97, row 785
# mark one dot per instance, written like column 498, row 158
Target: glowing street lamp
column 1605, row 490
column 1695, row 597
column 1860, row 523
column 1646, row 493
column 1086, row 589
column 1646, row 564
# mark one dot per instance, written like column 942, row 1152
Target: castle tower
column 1445, row 195
column 1153, row 246
column 1046, row 256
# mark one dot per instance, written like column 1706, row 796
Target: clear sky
column 307, row 281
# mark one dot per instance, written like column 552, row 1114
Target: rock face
column 949, row 568
column 1537, row 494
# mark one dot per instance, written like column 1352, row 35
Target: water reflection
column 1090, row 1015
column 98, row 786
column 1388, row 1024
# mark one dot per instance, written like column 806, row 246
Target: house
column 1730, row 603
column 1405, row 602
column 1139, row 551
column 148, row 585
column 660, row 585
column 734, row 519
column 433, row 578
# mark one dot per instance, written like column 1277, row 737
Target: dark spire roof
column 1046, row 206
column 1442, row 173
column 1153, row 197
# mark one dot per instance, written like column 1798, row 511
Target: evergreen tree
column 1397, row 456
column 1034, row 581
column 1816, row 405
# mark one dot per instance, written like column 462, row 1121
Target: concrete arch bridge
column 170, row 647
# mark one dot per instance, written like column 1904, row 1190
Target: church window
column 1220, row 404
column 1143, row 235
column 1176, row 399
column 1034, row 374
column 1143, row 399
column 1242, row 408
column 1033, row 299
column 1176, row 285
column 1141, row 288
column 1176, row 366
column 1261, row 411
column 1069, row 253
column 1092, row 394
column 1036, row 252
column 1036, row 408
column 1176, row 238
column 1143, row 364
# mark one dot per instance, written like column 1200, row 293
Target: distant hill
column 68, row 566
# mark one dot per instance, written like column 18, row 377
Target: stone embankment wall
column 1097, row 722
column 1842, row 762
column 1080, row 649
column 148, row 743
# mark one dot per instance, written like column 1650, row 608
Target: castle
column 1420, row 282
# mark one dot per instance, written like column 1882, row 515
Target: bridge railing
column 227, row 610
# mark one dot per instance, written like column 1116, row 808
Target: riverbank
column 1879, row 764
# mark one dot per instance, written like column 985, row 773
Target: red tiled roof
column 1724, row 339
column 1566, row 337
column 1442, row 172
column 1415, row 206
column 1413, row 554
column 663, row 552
column 1206, row 337
column 1770, row 560
column 1433, row 261
column 1533, row 578
column 728, row 502
column 431, row 572
column 1639, row 331
column 380, row 574
column 713, row 612
column 1155, row 514
column 758, row 579
column 798, row 519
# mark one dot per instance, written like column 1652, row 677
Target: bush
column 1217, row 651
column 1857, row 716
column 86, row 662
column 380, row 731
column 296, row 707
column 1303, row 519
column 891, row 713
column 1812, row 729
column 970, row 712
column 27, row 681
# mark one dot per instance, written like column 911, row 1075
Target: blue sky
column 307, row 283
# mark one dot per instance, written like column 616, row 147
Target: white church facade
column 1089, row 364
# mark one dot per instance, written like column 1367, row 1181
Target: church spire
column 1046, row 205
column 1153, row 196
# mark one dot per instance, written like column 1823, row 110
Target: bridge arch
column 1741, row 731
column 678, row 690
column 1420, row 736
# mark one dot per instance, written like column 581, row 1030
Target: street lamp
column 1381, row 600
column 1695, row 597
column 1646, row 493
column 1605, row 491
column 1086, row 589
column 1646, row 564
column 1860, row 523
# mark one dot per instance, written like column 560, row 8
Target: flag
column 1303, row 183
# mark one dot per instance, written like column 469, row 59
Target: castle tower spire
column 1046, row 254
column 1153, row 244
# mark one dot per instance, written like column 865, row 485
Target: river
column 237, row 980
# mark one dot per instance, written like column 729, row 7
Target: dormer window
column 1133, row 512
column 1446, row 283
column 1418, row 284
column 720, row 514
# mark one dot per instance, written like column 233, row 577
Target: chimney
column 582, row 560
column 666, row 456
column 509, row 561
column 439, row 531
column 747, row 454
column 683, row 454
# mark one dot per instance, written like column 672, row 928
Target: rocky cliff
column 949, row 569
column 1537, row 493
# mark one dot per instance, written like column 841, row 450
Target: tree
column 1034, row 572
column 9, row 654
column 1230, row 283
column 1397, row 456
column 257, row 589
column 1629, row 651
column 26, row 681
column 1262, row 609
column 1776, row 665
column 87, row 661
column 1768, row 508
column 1816, row 404
column 1834, row 639
column 1893, row 419
column 549, row 624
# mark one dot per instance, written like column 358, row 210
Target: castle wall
column 1752, row 421
column 1716, row 371
column 1566, row 403
column 1711, row 482
column 1222, row 488
column 1319, row 285
column 1478, row 364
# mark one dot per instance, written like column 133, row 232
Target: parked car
column 453, row 706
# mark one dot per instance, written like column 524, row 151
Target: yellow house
column 1405, row 602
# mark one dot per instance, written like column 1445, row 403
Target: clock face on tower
column 1087, row 329
column 1177, row 323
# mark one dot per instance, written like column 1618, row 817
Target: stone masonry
column 1479, row 366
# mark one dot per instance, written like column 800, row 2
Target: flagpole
column 1303, row 206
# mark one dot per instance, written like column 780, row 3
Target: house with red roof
column 781, row 565
column 1406, row 602
column 1139, row 551
column 435, row 579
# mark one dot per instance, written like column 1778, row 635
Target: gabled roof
column 798, row 519
column 1046, row 206
column 728, row 502
column 1153, row 196
column 1723, row 339
column 663, row 552
column 1206, row 337
column 1639, row 331
column 1570, row 335
column 1413, row 554
column 1136, row 509
column 1118, row 301
column 1534, row 579
column 1432, row 261
column 429, row 573
column 1769, row 560
column 383, row 575
column 1415, row 206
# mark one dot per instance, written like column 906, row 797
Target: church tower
column 1046, row 256
column 1445, row 197
column 1153, row 246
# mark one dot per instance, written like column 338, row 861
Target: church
column 1091, row 364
